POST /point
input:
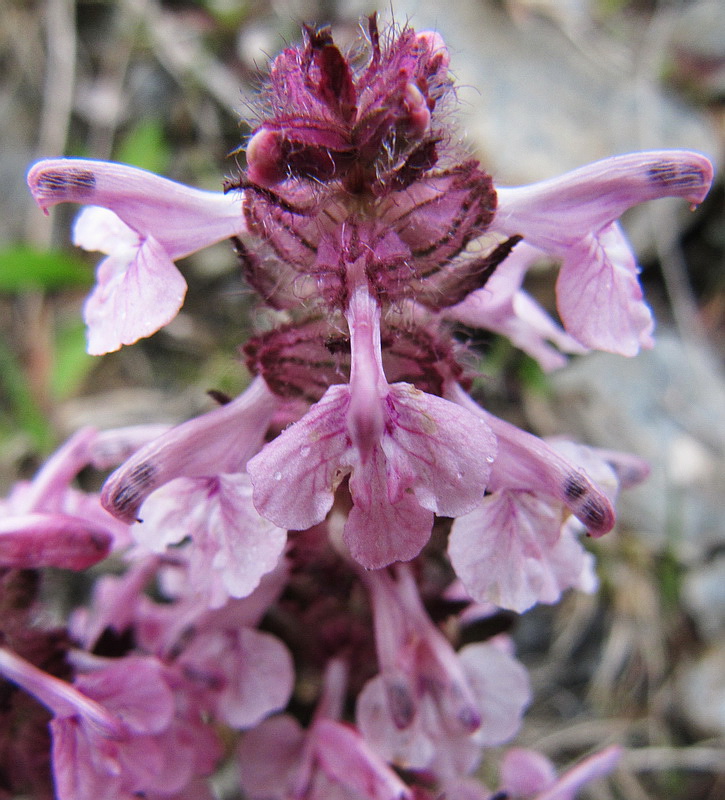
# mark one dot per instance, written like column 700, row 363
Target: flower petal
column 181, row 218
column 512, row 551
column 218, row 442
column 295, row 475
column 599, row 297
column 133, row 299
column 555, row 214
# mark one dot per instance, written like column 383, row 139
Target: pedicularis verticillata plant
column 295, row 518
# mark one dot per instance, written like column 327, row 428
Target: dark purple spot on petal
column 593, row 514
column 402, row 707
column 80, row 181
column 129, row 496
column 574, row 487
column 666, row 173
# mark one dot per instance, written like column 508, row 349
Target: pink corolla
column 143, row 223
column 329, row 761
column 114, row 730
column 190, row 483
column 409, row 455
column 433, row 709
column 504, row 307
column 574, row 218
column 528, row 775
column 216, row 443
column 515, row 549
column 48, row 522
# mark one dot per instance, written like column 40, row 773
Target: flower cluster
column 295, row 519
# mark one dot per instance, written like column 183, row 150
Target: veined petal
column 527, row 463
column 232, row 545
column 599, row 297
column 512, row 551
column 295, row 475
column 182, row 219
column 574, row 218
column 556, row 213
column 381, row 529
column 133, row 298
column 446, row 448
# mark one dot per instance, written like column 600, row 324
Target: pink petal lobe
column 268, row 756
column 448, row 449
column 378, row 530
column 133, row 299
column 525, row 772
column 134, row 690
column 31, row 541
column 231, row 543
column 512, row 551
column 295, row 475
column 501, row 686
column 75, row 769
column 599, row 296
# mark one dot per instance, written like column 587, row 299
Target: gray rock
column 537, row 101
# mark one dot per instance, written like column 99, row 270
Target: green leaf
column 23, row 267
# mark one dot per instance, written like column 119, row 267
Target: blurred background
column 545, row 86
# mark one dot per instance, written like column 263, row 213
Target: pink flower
column 431, row 708
column 216, row 443
column 527, row 775
column 409, row 455
column 143, row 223
column 504, row 307
column 114, row 733
column 232, row 545
column 329, row 761
column 47, row 522
column 514, row 549
column 573, row 218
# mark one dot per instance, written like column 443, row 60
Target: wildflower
column 113, row 732
column 143, row 223
column 410, row 454
column 370, row 237
column 431, row 708
column 573, row 218
column 279, row 760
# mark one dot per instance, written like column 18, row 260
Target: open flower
column 144, row 223
column 430, row 708
column 409, row 455
column 115, row 733
column 574, row 218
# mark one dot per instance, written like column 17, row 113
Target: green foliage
column 24, row 268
